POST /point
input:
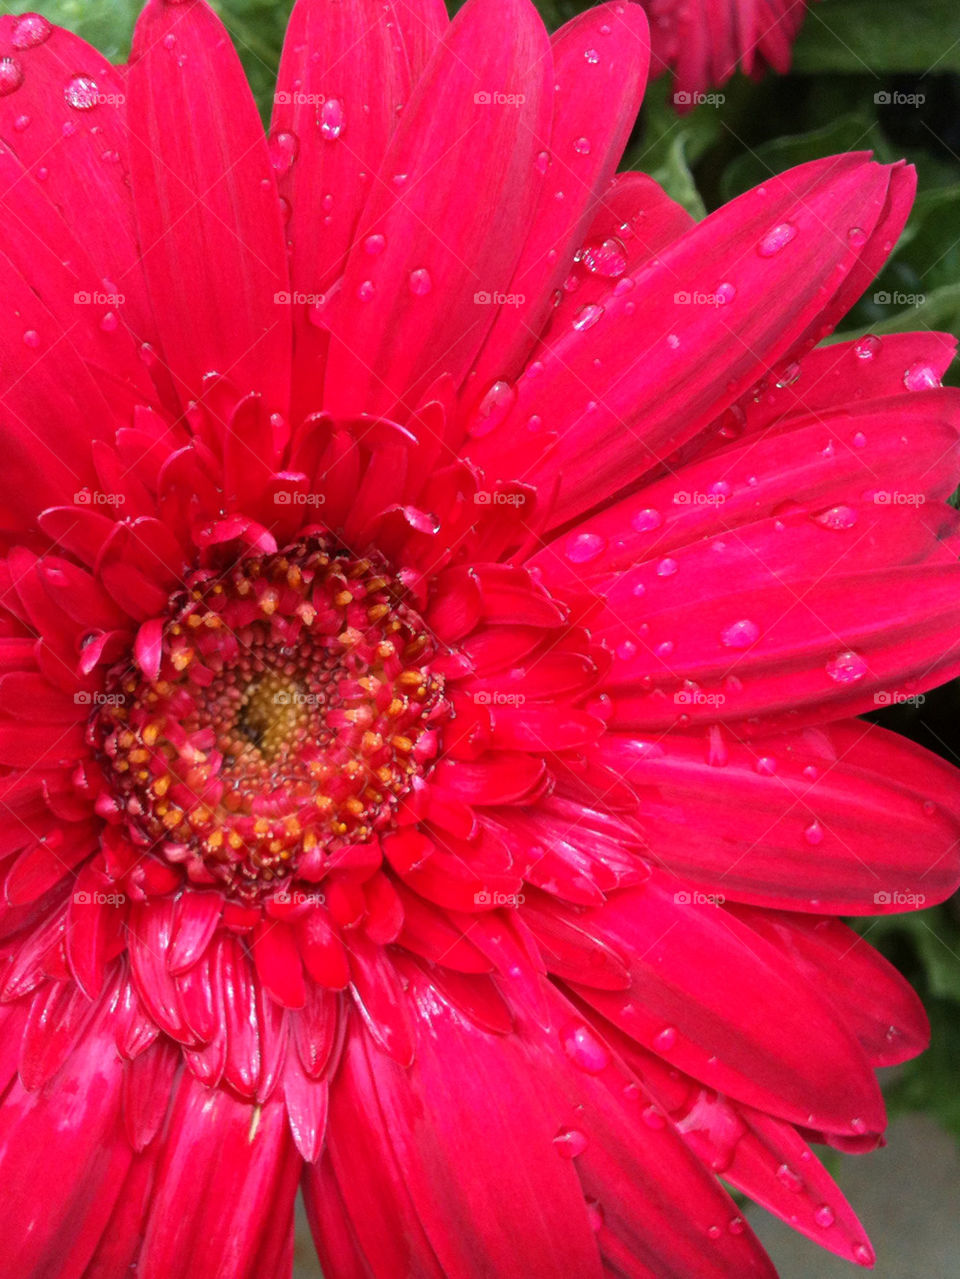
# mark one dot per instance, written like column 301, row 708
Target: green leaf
column 880, row 36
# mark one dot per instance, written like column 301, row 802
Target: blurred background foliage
column 879, row 75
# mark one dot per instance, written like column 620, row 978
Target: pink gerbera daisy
column 705, row 41
column 441, row 582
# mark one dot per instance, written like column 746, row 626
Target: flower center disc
column 293, row 709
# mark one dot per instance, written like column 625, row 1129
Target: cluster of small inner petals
column 292, row 707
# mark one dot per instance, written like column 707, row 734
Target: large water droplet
column 420, row 282
column 814, row 834
column 857, row 236
column 583, row 547
column 665, row 1040
column 837, row 517
column 776, row 239
column 740, row 634
column 787, row 1177
column 492, row 409
column 921, row 377
column 867, row 347
column 847, row 667
column 582, row 146
column 282, row 148
column 374, row 245
column 332, row 119
column 587, row 317
column 29, row 31
column 11, row 76
column 607, row 259
column 726, row 292
column 824, row 1216
column 570, row 1142
column 591, row 55
column 646, row 520
column 31, row 338
column 81, row 92
column 584, row 1048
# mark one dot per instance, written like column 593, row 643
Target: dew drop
column 726, row 292
column 109, row 323
column 673, row 341
column 667, row 567
column 331, row 119
column 862, row 1255
column 789, row 376
column 81, row 92
column 29, row 31
column 584, row 1048
column 542, row 161
column 867, row 347
column 22, row 122
column 587, row 317
column 921, row 377
column 492, row 409
column 665, row 1039
column 594, row 1214
column 420, row 282
column 714, row 1232
column 787, row 1177
column 847, row 667
column 766, row 765
column 776, row 239
column 583, row 547
column 570, row 1142
column 607, row 259
column 374, row 245
column 824, row 1216
column 814, row 833
column 169, row 40
column 859, row 440
column 653, row 1117
column 31, row 338
column 11, row 76
column 366, row 290
column 534, row 422
column 582, row 146
column 591, row 55
column 736, row 1225
column 837, row 517
column 282, row 148
column 646, row 520
column 740, row 634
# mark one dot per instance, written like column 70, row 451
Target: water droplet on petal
column 109, row 323
column 787, row 1177
column 789, row 375
column 591, row 55
column 921, row 377
column 583, row 547
column 673, row 341
column 331, row 119
column 665, row 1040
column 587, row 317
column 584, row 1048
column 420, row 282
column 582, row 146
column 22, row 122
column 570, row 1142
column 837, row 517
column 492, row 409
column 654, row 1117
column 646, row 520
column 740, row 634
column 366, row 290
column 542, row 161
column 81, row 92
column 847, row 667
column 726, row 292
column 859, row 440
column 857, row 236
column 11, row 76
column 862, row 1255
column 714, row 1232
column 594, row 1214
column 282, row 148
column 766, row 765
column 667, row 567
column 814, row 834
column 169, row 40
column 607, row 259
column 867, row 347
column 824, row 1216
column 776, row 239
column 374, row 244
column 29, row 31
column 31, row 338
